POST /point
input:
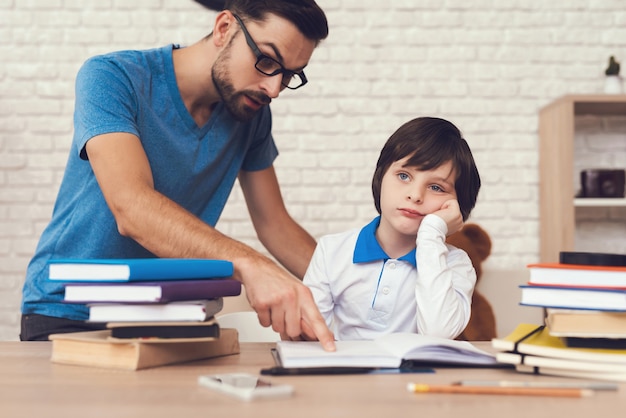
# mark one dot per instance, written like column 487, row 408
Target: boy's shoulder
column 340, row 239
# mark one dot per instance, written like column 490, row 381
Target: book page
column 410, row 346
column 349, row 353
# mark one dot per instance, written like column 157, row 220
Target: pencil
column 498, row 390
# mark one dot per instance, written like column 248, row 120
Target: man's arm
column 284, row 238
column 157, row 223
column 166, row 229
column 291, row 245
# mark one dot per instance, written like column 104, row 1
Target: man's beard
column 232, row 99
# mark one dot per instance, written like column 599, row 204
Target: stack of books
column 532, row 349
column 585, row 303
column 157, row 311
column 584, row 298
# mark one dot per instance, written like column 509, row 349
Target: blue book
column 138, row 269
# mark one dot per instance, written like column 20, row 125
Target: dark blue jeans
column 38, row 327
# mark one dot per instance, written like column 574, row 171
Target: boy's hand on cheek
column 450, row 212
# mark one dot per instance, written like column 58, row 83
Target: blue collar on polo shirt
column 368, row 249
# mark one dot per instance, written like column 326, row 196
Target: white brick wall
column 487, row 66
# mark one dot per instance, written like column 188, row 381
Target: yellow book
column 99, row 349
column 536, row 340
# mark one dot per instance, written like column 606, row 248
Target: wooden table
column 31, row 386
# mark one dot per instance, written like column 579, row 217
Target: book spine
column 174, row 268
column 205, row 289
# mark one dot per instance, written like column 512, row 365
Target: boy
column 397, row 274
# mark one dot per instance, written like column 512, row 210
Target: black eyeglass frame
column 260, row 56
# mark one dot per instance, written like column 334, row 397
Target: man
column 160, row 137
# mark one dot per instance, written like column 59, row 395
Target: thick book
column 586, row 323
column 204, row 329
column 560, row 274
column 138, row 269
column 98, row 349
column 151, row 292
column 388, row 351
column 580, row 374
column 200, row 310
column 530, row 339
column 573, row 297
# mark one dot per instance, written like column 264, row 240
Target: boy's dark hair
column 431, row 142
column 308, row 17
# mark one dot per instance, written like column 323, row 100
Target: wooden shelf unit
column 556, row 167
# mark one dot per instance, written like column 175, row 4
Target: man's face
column 242, row 88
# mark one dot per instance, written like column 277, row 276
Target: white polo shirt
column 363, row 293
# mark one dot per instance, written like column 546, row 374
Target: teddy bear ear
column 479, row 238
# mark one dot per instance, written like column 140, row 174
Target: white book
column 386, row 351
column 559, row 363
column 174, row 311
column 582, row 374
column 560, row 274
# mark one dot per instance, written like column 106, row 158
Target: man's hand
column 282, row 301
column 450, row 212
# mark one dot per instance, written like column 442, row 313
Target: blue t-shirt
column 196, row 167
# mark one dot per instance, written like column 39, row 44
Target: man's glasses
column 269, row 66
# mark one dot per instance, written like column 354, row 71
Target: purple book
column 151, row 292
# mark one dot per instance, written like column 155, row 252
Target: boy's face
column 408, row 194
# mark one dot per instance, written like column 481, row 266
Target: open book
column 387, row 351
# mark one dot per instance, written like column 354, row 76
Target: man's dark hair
column 306, row 15
column 217, row 5
column 431, row 142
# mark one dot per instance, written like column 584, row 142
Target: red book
column 576, row 275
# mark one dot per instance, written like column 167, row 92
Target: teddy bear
column 475, row 241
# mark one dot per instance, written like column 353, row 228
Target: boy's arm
column 450, row 213
column 317, row 279
column 445, row 282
